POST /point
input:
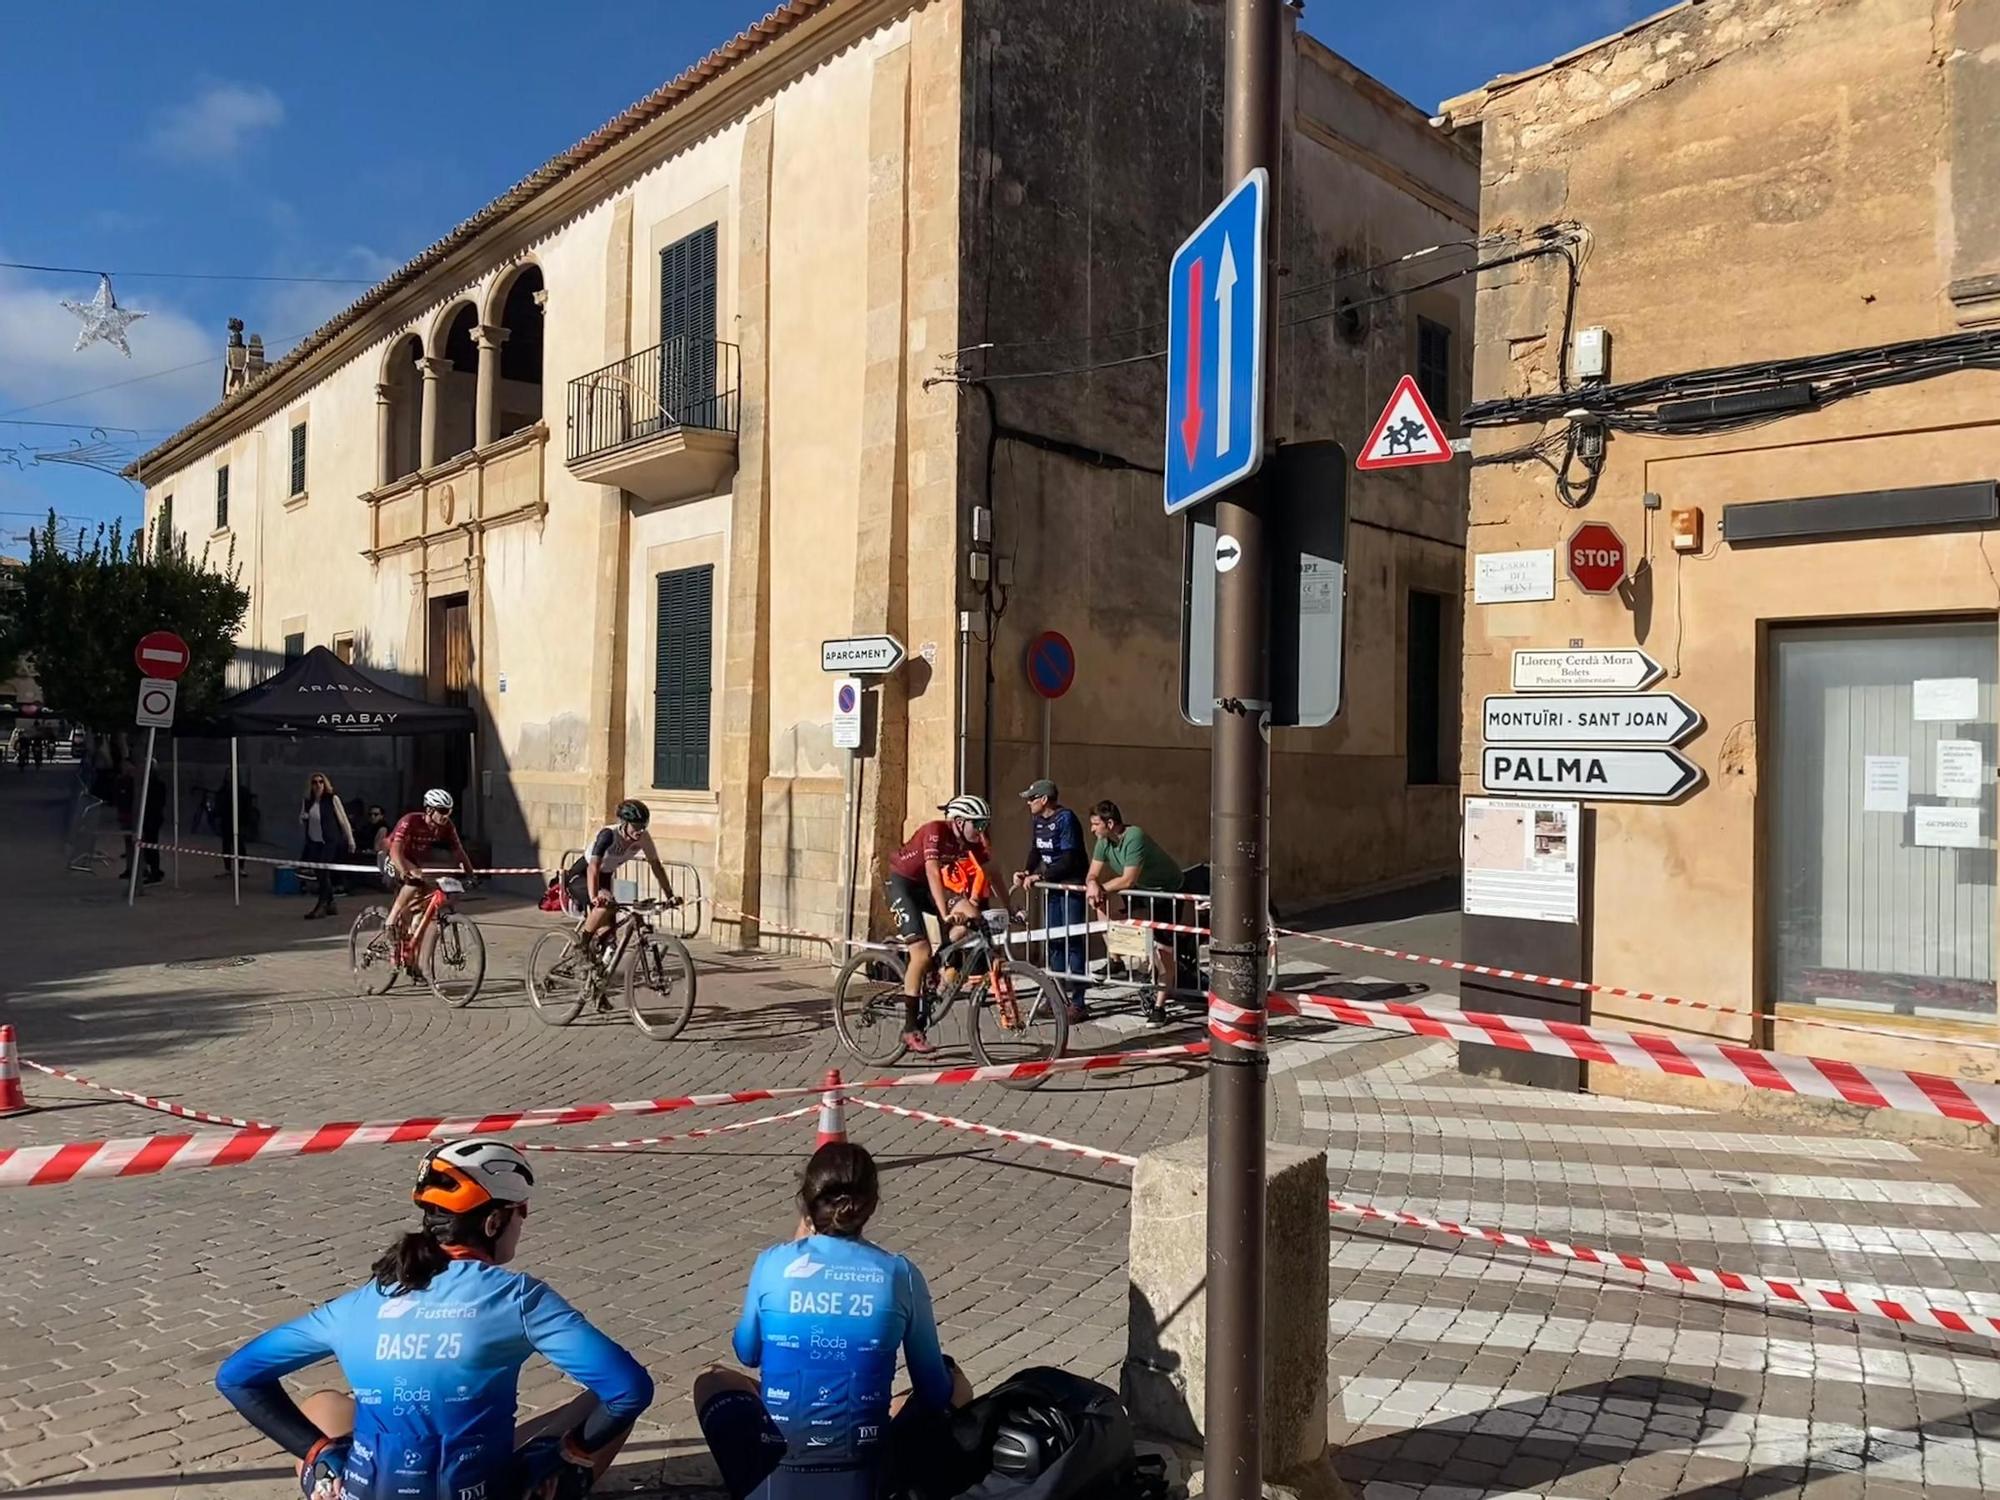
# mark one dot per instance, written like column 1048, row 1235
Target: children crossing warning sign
column 1407, row 433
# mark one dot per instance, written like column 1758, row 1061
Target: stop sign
column 161, row 653
column 1596, row 558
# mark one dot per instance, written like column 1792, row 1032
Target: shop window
column 1879, row 858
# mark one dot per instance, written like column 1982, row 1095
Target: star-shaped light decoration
column 103, row 319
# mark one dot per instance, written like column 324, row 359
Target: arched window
column 518, row 393
column 458, row 384
column 401, row 434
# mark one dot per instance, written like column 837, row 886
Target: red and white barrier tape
column 146, row 1101
column 318, row 864
column 1242, row 1027
column 42, row 1166
column 1686, row 1057
column 661, row 1140
column 1586, row 987
column 1770, row 1288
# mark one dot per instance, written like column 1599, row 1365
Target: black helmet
column 630, row 811
column 1030, row 1438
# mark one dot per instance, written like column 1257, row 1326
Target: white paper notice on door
column 1959, row 769
column 1948, row 828
column 1885, row 783
column 1945, row 700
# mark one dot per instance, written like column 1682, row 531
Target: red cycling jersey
column 936, row 840
column 415, row 836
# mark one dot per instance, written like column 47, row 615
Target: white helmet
column 438, row 798
column 467, row 1175
column 973, row 809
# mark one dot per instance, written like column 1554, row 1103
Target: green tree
column 81, row 610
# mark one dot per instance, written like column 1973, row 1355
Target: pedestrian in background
column 328, row 836
column 148, row 831
column 1056, row 857
column 1126, row 859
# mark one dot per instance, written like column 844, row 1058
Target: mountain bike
column 1015, row 1012
column 565, row 976
column 443, row 949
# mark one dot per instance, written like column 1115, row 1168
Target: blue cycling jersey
column 823, row 1319
column 434, row 1376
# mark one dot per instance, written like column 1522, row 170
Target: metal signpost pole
column 1238, row 1074
column 139, row 818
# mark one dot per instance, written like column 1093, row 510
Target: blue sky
column 337, row 140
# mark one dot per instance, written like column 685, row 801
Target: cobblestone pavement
column 1456, row 1371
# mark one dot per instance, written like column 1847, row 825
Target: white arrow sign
column 861, row 655
column 1225, row 340
column 1621, row 670
column 1603, row 718
column 1654, row 775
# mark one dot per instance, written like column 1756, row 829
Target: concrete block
column 1165, row 1373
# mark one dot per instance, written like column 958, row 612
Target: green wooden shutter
column 299, row 459
column 222, row 498
column 681, row 678
column 687, row 329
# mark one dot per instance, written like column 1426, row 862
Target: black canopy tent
column 315, row 695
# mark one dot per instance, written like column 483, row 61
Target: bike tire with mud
column 660, row 986
column 454, row 961
column 370, row 952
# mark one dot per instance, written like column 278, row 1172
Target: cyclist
column 432, row 1348
column 822, row 1320
column 915, row 888
column 588, row 881
column 413, row 837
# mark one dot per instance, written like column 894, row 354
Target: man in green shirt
column 1124, row 858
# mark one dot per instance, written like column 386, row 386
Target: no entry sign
column 1596, row 558
column 161, row 653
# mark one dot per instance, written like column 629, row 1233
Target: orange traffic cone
column 832, row 1112
column 12, row 1100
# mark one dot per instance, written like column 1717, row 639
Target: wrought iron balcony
column 661, row 423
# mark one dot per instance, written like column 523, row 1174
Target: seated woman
column 432, row 1349
column 823, row 1319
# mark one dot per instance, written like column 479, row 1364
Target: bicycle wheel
column 659, row 986
column 455, row 960
column 1040, row 1029
column 370, row 953
column 868, row 1006
column 559, row 979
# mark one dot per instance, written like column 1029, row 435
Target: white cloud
column 214, row 126
column 42, row 362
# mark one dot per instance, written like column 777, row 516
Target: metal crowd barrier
column 684, row 921
column 1070, row 941
column 80, row 851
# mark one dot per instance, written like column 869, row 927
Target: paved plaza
column 1456, row 1370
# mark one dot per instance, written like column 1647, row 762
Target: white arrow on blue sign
column 1215, row 348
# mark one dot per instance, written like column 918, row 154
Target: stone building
column 1785, row 217
column 853, row 328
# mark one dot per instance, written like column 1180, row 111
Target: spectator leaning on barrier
column 1056, row 857
column 1124, row 858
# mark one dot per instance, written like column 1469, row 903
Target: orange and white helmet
column 466, row 1175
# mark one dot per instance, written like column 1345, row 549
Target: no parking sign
column 847, row 713
column 1051, row 664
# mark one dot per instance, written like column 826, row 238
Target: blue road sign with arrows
column 1215, row 348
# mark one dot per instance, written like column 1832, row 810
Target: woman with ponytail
column 432, row 1348
column 822, row 1320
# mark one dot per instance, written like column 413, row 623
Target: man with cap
column 1056, row 854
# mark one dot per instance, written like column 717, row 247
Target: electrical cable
column 193, row 364
column 20, row 265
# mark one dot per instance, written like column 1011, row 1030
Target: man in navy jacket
column 1057, row 854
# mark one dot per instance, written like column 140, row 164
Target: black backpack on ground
column 1043, row 1434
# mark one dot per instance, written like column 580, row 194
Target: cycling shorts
column 534, row 1462
column 750, row 1451
column 909, row 903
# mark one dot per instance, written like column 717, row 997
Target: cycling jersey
column 434, row 1376
column 415, row 836
column 610, row 849
column 823, row 1318
column 965, row 877
column 936, row 840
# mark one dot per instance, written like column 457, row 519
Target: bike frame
column 433, row 908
